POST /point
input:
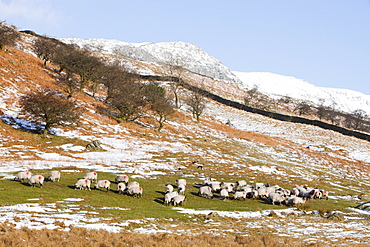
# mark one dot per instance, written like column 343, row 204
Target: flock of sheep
column 208, row 189
column 123, row 186
column 241, row 190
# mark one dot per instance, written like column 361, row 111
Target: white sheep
column 169, row 188
column 298, row 201
column 121, row 187
column 241, row 183
column 289, row 200
column 36, row 179
column 135, row 191
column 121, row 178
column 295, row 191
column 253, row 194
column 276, row 197
column 23, row 176
column 205, row 191
column 177, row 200
column 168, row 197
column 102, row 184
column 240, row 194
column 258, row 186
column 224, row 193
column 54, row 176
column 229, row 186
column 262, row 192
column 215, row 186
column 206, row 181
column 246, row 188
column 181, row 181
column 317, row 194
column 325, row 194
column 181, row 189
column 93, row 176
column 83, row 184
column 132, row 185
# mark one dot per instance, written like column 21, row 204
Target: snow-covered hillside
column 277, row 86
column 198, row 61
column 187, row 55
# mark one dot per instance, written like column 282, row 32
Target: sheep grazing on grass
column 276, row 197
column 121, row 187
column 168, row 197
column 135, row 192
column 252, row 195
column 316, row 194
column 83, row 184
column 215, row 186
column 241, row 183
column 295, row 191
column 121, row 178
column 205, row 191
column 132, row 185
column 240, row 195
column 206, row 181
column 224, row 193
column 93, row 176
column 36, row 180
column 23, row 176
column 262, row 192
column 246, row 188
column 298, row 201
column 325, row 194
column 102, row 184
column 177, row 200
column 54, row 176
column 230, row 186
column 181, row 189
column 295, row 201
column 169, row 188
column 181, row 181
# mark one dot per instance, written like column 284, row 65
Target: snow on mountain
column 187, row 55
column 277, row 86
column 198, row 61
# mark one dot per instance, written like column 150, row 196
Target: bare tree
column 356, row 119
column 176, row 69
column 197, row 103
column 252, row 94
column 50, row 107
column 128, row 100
column 44, row 48
column 160, row 104
column 8, row 35
column 303, row 108
column 69, row 83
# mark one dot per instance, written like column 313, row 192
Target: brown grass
column 98, row 238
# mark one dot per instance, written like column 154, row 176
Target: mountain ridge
column 196, row 60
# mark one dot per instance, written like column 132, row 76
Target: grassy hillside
column 230, row 144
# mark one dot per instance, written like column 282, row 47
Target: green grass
column 149, row 206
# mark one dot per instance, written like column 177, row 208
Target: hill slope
column 229, row 143
column 278, row 86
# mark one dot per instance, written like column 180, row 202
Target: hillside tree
column 44, row 48
column 176, row 69
column 50, row 107
column 8, row 35
column 197, row 103
column 159, row 103
column 128, row 100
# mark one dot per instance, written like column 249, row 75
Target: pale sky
column 325, row 42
